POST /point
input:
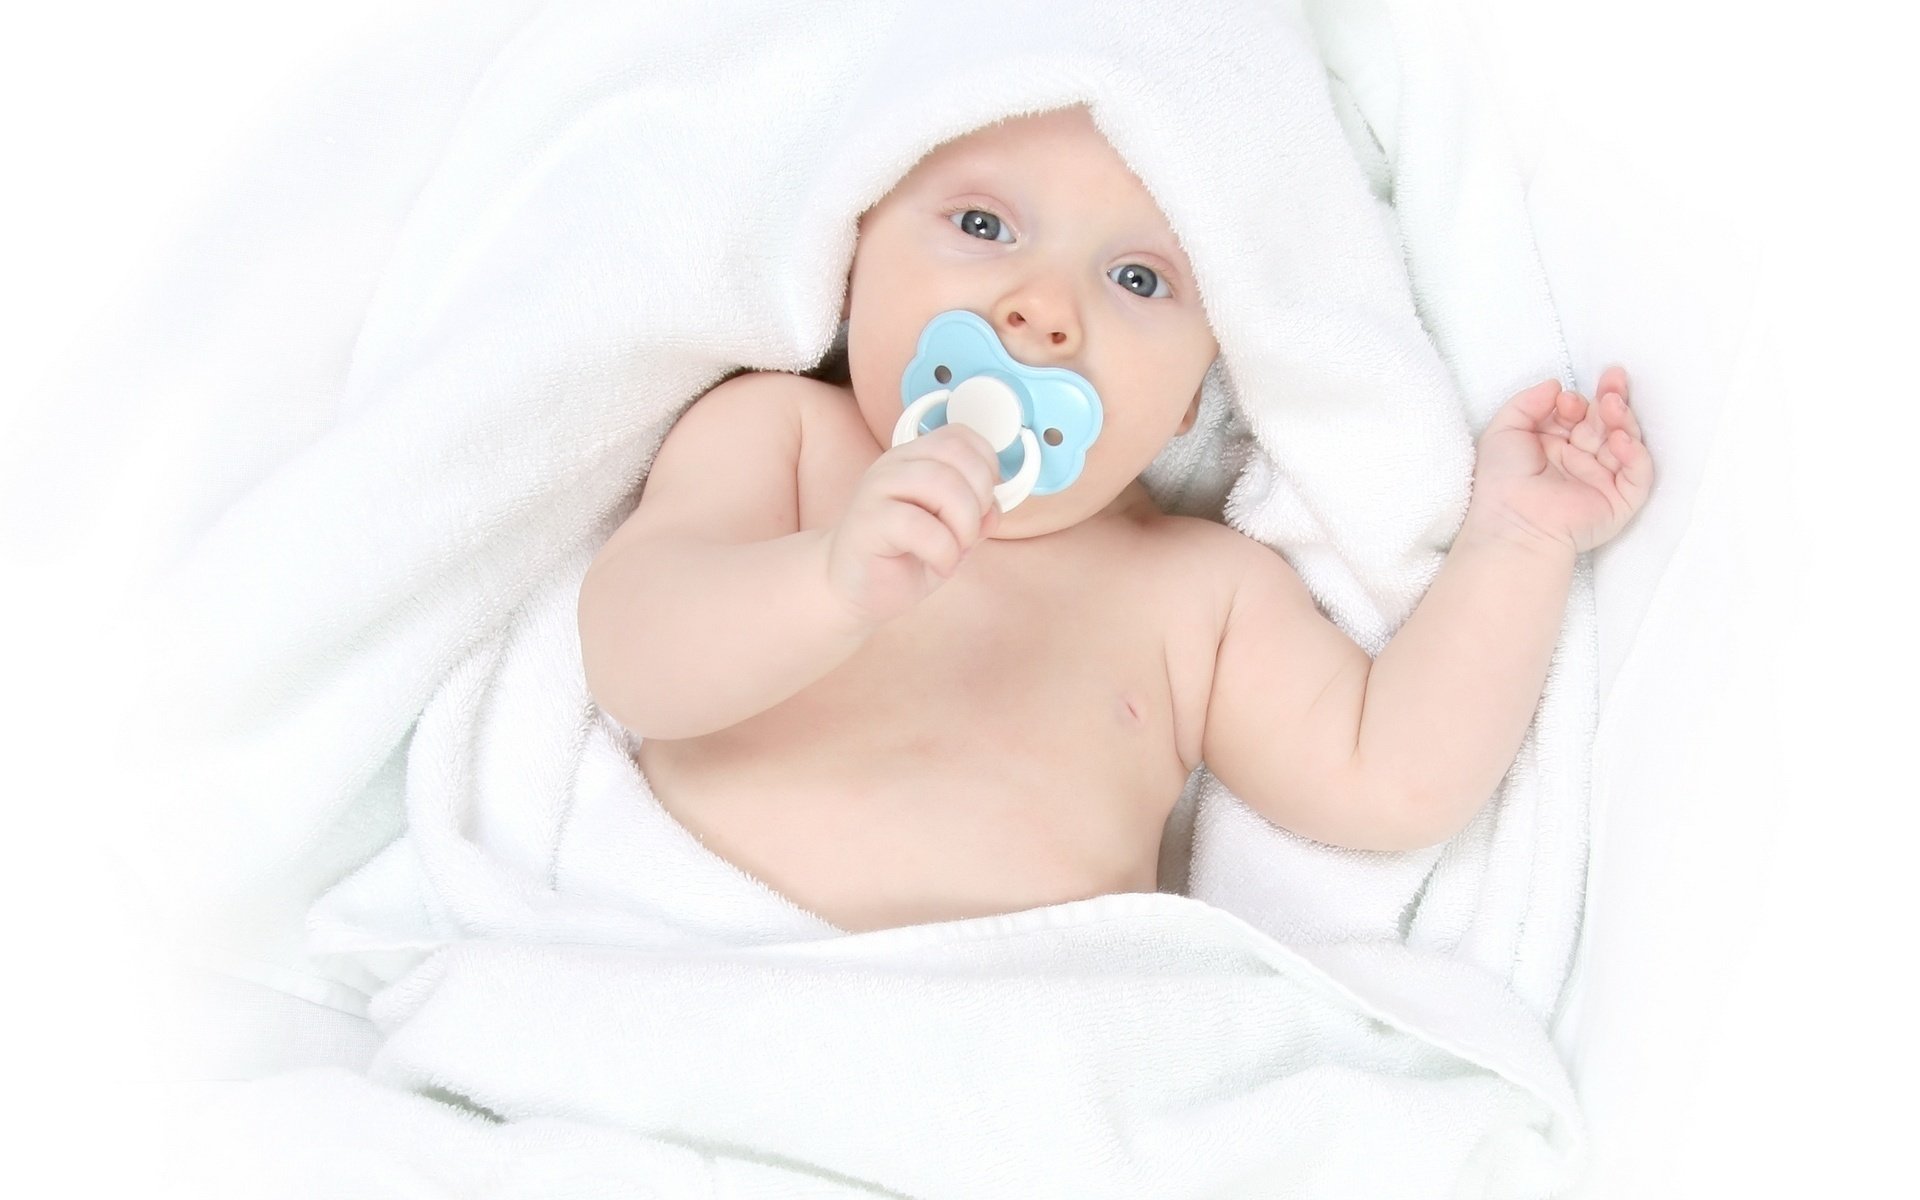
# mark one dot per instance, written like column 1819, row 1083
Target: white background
column 1790, row 124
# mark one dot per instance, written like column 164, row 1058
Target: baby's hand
column 1553, row 467
column 913, row 517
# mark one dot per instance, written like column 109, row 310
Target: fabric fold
column 374, row 759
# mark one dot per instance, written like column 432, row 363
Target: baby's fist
column 914, row 516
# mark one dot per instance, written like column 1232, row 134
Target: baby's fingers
column 1623, row 451
column 965, row 451
column 1634, row 474
column 1527, row 409
column 1628, row 466
column 1618, row 414
column 1613, row 379
column 942, row 490
column 1611, row 396
column 1589, row 432
column 910, row 529
column 1570, row 412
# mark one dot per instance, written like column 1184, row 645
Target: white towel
column 526, row 238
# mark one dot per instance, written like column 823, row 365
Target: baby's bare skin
column 857, row 683
column 1018, row 739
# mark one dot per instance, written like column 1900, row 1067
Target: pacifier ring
column 1007, row 494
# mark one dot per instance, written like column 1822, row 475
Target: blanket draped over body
column 405, row 379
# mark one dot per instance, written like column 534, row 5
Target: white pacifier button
column 989, row 408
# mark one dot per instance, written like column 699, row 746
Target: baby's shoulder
column 796, row 391
column 826, row 411
column 803, row 405
column 1198, row 543
column 1200, row 562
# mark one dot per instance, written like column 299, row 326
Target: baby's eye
column 976, row 221
column 1141, row 281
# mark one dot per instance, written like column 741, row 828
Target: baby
column 860, row 682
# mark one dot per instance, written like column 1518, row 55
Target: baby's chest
column 1091, row 648
column 964, row 742
column 1019, row 686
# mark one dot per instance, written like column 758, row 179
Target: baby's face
column 1037, row 225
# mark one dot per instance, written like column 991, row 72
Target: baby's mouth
column 1040, row 420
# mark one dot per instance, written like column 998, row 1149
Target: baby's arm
column 1450, row 697
column 709, row 605
column 1396, row 752
column 1402, row 751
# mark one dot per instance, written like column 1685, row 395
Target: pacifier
column 1040, row 420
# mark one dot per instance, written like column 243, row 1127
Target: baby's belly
column 874, row 823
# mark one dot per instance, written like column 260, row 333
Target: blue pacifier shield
column 1060, row 407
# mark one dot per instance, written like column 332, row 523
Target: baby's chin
column 1031, row 519
column 1038, row 516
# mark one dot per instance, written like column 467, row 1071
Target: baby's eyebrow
column 1156, row 236
column 965, row 160
column 1169, row 245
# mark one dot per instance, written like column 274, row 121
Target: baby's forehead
column 1058, row 144
column 1027, row 140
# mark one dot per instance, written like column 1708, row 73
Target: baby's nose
column 1016, row 320
column 1042, row 335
